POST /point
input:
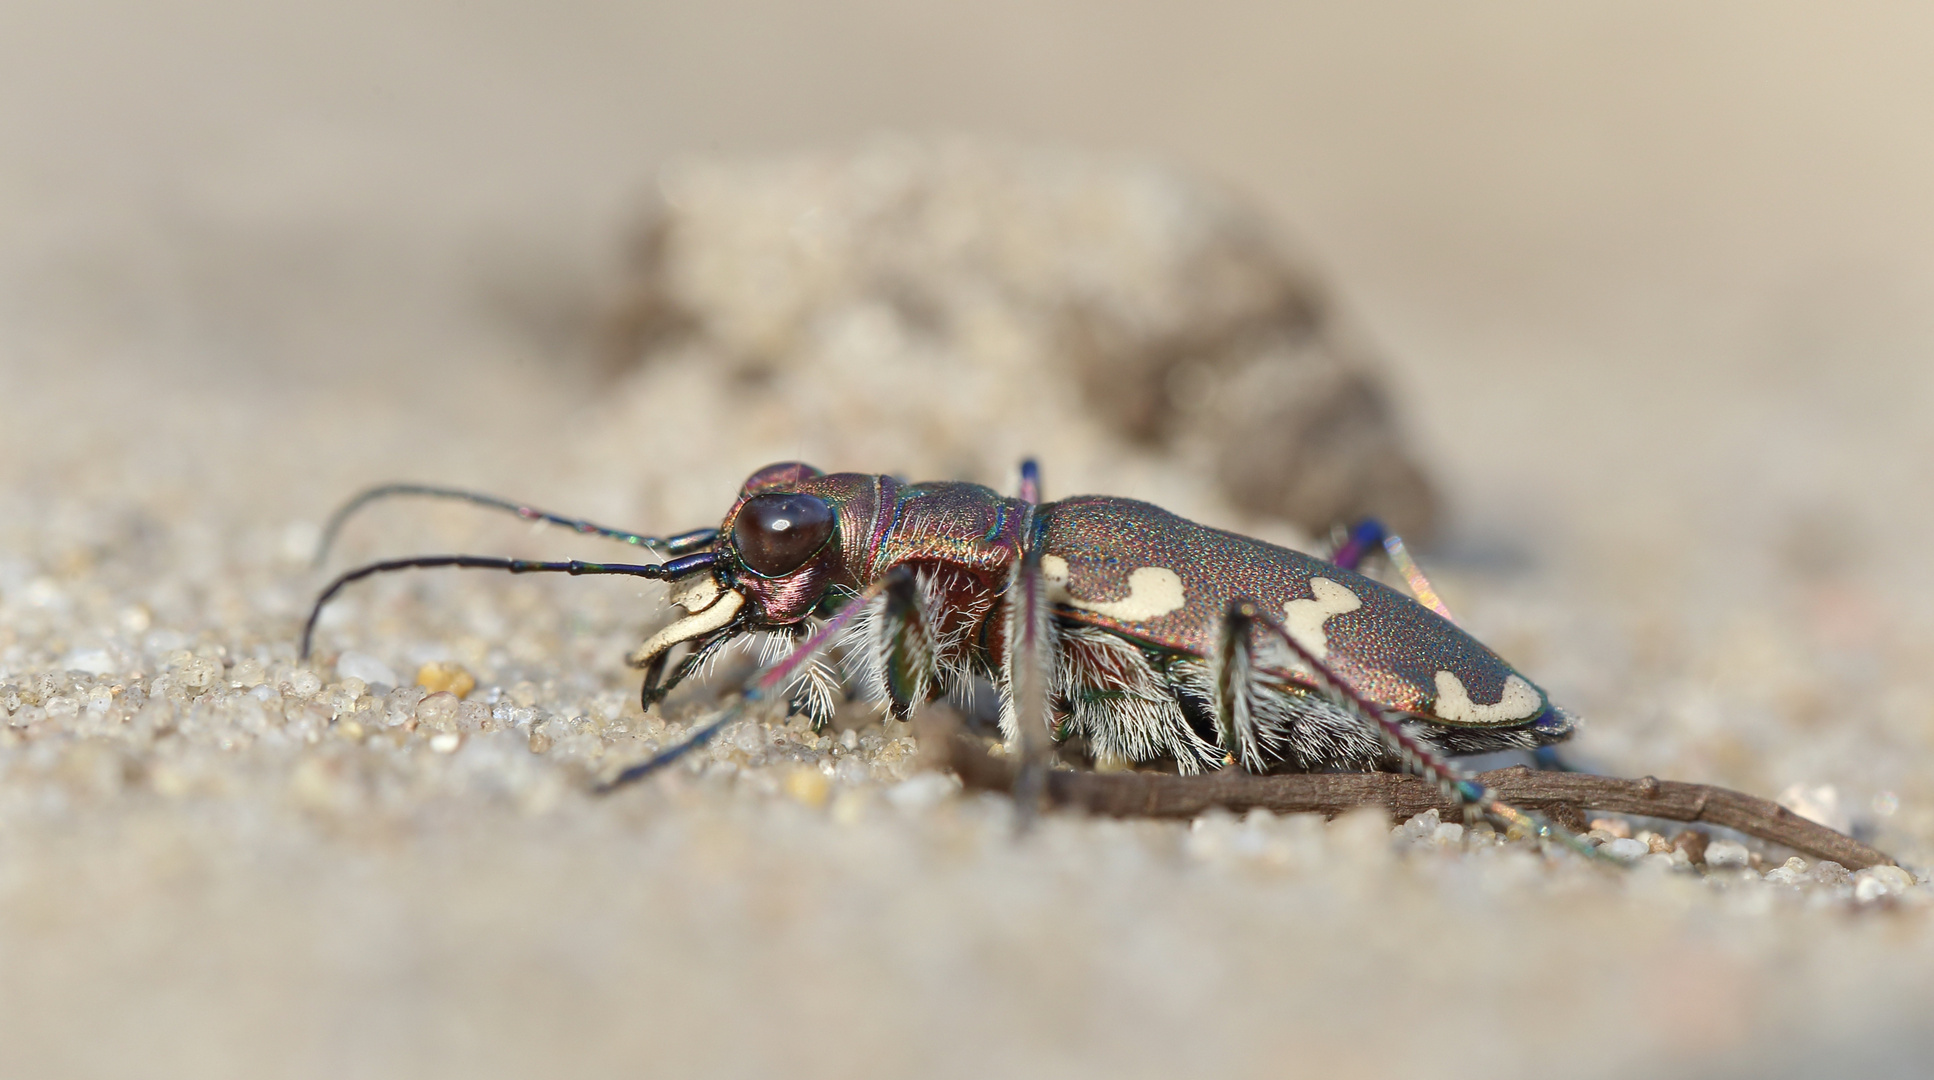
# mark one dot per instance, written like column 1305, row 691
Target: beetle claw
column 717, row 616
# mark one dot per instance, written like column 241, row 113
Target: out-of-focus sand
column 1653, row 286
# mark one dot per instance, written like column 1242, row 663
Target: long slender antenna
column 654, row 571
column 665, row 546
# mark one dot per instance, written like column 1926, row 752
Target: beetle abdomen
column 1141, row 571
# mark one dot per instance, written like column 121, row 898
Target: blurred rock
column 1724, row 853
column 952, row 289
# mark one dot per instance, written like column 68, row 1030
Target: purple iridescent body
column 1140, row 598
column 1385, row 645
column 1142, row 637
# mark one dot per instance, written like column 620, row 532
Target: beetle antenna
column 1461, row 787
column 654, row 571
column 667, row 547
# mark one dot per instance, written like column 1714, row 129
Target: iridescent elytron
column 1166, row 642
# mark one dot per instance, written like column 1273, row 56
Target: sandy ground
column 1654, row 297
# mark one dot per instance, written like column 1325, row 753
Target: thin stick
column 1162, row 796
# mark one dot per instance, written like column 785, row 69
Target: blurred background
column 1632, row 302
column 1578, row 222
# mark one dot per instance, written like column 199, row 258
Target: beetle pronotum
column 1113, row 622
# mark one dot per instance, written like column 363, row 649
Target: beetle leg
column 1030, row 486
column 906, row 643
column 1459, row 786
column 1125, row 707
column 910, row 646
column 1239, row 691
column 1371, row 533
column 1264, row 715
column 1350, row 553
column 810, row 693
column 1026, row 715
column 814, row 689
column 762, row 684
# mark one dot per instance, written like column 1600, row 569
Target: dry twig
column 1562, row 796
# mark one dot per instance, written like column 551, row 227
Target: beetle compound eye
column 776, row 534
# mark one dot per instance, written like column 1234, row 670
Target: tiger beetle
column 1145, row 636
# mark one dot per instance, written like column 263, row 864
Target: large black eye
column 776, row 534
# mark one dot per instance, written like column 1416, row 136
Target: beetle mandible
column 1156, row 638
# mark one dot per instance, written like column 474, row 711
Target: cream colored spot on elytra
column 1520, row 701
column 1055, row 569
column 1305, row 618
column 1153, row 591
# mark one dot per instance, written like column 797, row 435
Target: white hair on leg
column 1117, row 700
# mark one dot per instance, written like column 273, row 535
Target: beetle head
column 779, row 550
column 780, row 544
